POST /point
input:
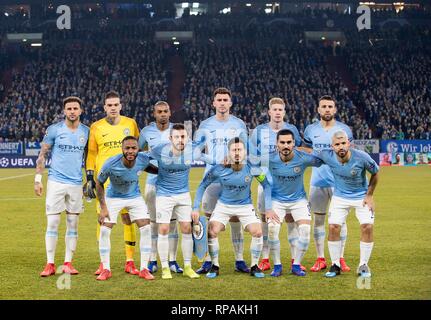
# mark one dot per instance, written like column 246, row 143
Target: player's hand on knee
column 195, row 217
column 38, row 188
column 270, row 215
column 90, row 185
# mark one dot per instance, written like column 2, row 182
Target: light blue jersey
column 124, row 181
column 217, row 134
column 67, row 152
column 173, row 175
column 151, row 136
column 350, row 178
column 288, row 177
column 316, row 137
column 236, row 185
column 263, row 141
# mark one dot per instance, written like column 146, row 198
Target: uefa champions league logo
column 4, row 162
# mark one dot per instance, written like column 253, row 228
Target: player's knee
column 213, row 231
column 334, row 228
column 273, row 231
column 367, row 228
column 126, row 219
column 163, row 228
column 185, row 227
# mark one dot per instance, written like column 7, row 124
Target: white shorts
column 300, row 210
column 245, row 213
column 136, row 207
column 61, row 196
column 150, row 200
column 210, row 197
column 260, row 199
column 319, row 198
column 179, row 205
column 340, row 207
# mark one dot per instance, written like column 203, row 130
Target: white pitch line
column 14, row 177
column 19, row 199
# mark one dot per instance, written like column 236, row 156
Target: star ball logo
column 4, row 162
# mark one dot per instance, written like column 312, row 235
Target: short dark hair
column 326, row 97
column 234, row 140
column 72, row 99
column 112, row 94
column 177, row 126
column 222, row 90
column 129, row 138
column 285, row 132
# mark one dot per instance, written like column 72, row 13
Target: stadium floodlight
column 176, row 43
column 6, row 14
column 248, row 4
column 184, row 5
column 225, row 10
column 174, row 38
column 269, row 4
column 195, row 5
column 24, row 40
column 268, row 10
column 36, row 44
column 323, row 38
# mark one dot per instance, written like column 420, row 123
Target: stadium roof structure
column 59, row 2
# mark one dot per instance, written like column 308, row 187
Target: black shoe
column 255, row 271
column 333, row 271
column 214, row 272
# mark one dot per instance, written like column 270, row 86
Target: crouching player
column 235, row 178
column 287, row 166
column 352, row 190
column 174, row 161
column 123, row 170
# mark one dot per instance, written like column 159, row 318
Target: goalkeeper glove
column 90, row 185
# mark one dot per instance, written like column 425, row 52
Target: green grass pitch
column 400, row 260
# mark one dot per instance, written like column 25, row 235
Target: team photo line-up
column 116, row 153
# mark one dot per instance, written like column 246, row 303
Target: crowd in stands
column 255, row 60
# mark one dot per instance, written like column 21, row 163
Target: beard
column 327, row 117
column 134, row 156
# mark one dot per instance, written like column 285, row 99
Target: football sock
column 274, row 241
column 105, row 247
column 51, row 236
column 365, row 252
column 130, row 240
column 237, row 237
column 163, row 249
column 343, row 238
column 319, row 234
column 213, row 248
column 334, row 251
column 154, row 237
column 71, row 236
column 187, row 248
column 292, row 237
column 173, row 240
column 145, row 245
column 265, row 247
column 303, row 242
column 255, row 249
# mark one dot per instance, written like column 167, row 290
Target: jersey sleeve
column 311, row 160
column 142, row 139
column 209, row 178
column 50, row 135
column 322, row 155
column 370, row 165
column 349, row 133
column 200, row 135
column 307, row 137
column 104, row 173
column 144, row 159
column 243, row 135
column 90, row 162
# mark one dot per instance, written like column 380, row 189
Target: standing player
column 262, row 143
column 352, row 191
column 123, row 191
column 104, row 142
column 173, row 196
column 151, row 136
column 67, row 140
column 216, row 132
column 318, row 135
column 235, row 178
column 287, row 166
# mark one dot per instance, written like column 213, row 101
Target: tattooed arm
column 40, row 166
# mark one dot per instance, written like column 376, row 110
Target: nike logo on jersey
column 316, row 136
column 62, row 137
column 104, row 135
column 152, row 138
